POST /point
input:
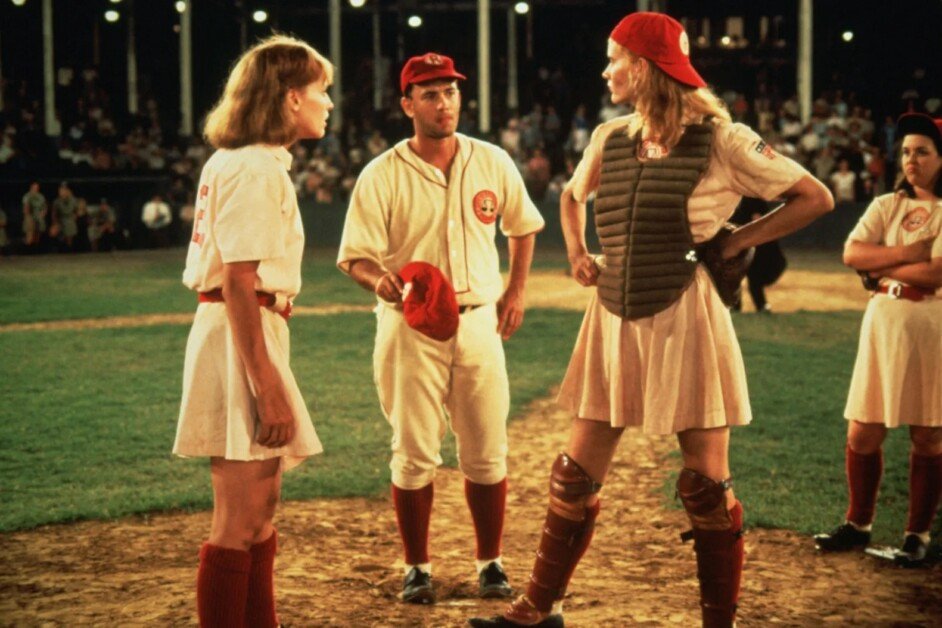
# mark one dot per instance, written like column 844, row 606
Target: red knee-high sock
column 413, row 512
column 487, row 503
column 863, row 482
column 222, row 584
column 925, row 488
column 260, row 608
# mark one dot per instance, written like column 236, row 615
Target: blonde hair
column 253, row 109
column 664, row 104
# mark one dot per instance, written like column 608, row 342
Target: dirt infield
column 337, row 563
column 797, row 290
column 338, row 560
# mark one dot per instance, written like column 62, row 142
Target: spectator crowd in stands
column 841, row 144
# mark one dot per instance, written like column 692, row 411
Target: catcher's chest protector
column 641, row 221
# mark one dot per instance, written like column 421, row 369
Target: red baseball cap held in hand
column 427, row 67
column 661, row 40
column 428, row 301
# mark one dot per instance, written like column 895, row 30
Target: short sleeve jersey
column 247, row 210
column 895, row 219
column 64, row 208
column 403, row 209
column 36, row 203
column 741, row 164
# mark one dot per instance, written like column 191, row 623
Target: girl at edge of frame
column 677, row 371
column 897, row 246
column 241, row 405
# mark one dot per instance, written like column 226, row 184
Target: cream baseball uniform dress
column 682, row 367
column 246, row 210
column 898, row 373
column 403, row 209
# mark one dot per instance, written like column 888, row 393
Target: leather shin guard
column 567, row 532
column 718, row 544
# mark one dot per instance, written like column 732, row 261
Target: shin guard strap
column 704, row 500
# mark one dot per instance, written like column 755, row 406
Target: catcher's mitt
column 869, row 283
column 727, row 275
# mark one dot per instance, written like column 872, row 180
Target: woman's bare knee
column 592, row 444
column 245, row 497
column 926, row 441
column 706, row 451
column 865, row 438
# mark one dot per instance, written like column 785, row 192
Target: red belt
column 265, row 299
column 899, row 291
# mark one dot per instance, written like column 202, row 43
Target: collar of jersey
column 281, row 154
column 427, row 170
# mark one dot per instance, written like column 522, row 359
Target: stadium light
column 112, row 16
column 260, row 16
column 848, row 36
column 18, row 3
column 522, row 8
column 180, row 6
column 356, row 4
column 415, row 21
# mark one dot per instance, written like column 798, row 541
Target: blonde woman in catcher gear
column 657, row 349
column 437, row 198
column 897, row 246
column 241, row 405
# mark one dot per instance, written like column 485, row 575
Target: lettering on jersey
column 916, row 219
column 765, row 150
column 485, row 206
column 199, row 227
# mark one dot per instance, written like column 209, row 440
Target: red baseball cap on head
column 661, row 40
column 426, row 67
column 428, row 301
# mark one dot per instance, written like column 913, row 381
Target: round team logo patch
column 485, row 206
column 650, row 149
column 684, row 44
column 916, row 219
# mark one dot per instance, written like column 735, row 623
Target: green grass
column 90, row 436
column 89, row 416
column 788, row 464
column 57, row 287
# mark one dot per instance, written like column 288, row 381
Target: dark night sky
column 892, row 40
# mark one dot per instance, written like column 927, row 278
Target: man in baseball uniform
column 436, row 197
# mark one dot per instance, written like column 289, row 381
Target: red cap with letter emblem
column 428, row 302
column 661, row 40
column 427, row 67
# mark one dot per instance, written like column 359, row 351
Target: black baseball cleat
column 913, row 553
column 417, row 587
column 553, row 621
column 843, row 538
column 493, row 583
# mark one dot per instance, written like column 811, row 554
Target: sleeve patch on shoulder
column 764, row 149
